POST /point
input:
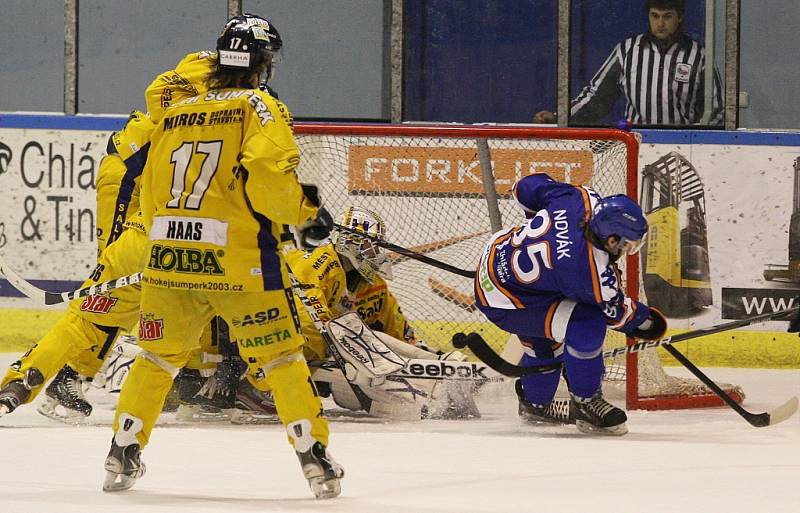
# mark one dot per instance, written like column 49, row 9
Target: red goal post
column 431, row 185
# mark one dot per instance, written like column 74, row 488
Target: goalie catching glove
column 653, row 328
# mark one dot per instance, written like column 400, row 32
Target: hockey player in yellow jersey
column 219, row 193
column 84, row 339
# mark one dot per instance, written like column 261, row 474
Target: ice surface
column 684, row 461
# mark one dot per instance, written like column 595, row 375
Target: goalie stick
column 45, row 297
column 407, row 252
column 363, row 400
column 486, row 354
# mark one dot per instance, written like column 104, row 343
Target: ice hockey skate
column 557, row 411
column 65, row 400
column 322, row 471
column 17, row 392
column 123, row 464
column 595, row 415
column 254, row 406
column 203, row 399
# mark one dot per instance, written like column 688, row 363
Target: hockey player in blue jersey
column 554, row 283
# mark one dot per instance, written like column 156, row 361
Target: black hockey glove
column 312, row 193
column 315, row 233
column 656, row 327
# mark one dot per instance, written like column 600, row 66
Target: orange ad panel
column 446, row 171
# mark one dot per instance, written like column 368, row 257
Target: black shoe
column 322, row 471
column 597, row 416
column 18, row 391
column 124, row 464
column 557, row 411
column 66, row 390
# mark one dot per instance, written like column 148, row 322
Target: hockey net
column 428, row 184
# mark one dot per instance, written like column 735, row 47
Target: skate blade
column 325, row 488
column 195, row 413
column 117, row 482
column 245, row 418
column 50, row 410
column 590, row 429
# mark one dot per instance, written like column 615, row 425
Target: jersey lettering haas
column 185, row 230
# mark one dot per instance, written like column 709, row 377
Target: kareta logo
column 185, row 260
column 98, row 304
column 5, row 158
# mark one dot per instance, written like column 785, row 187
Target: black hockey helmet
column 246, row 41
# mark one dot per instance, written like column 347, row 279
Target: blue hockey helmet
column 247, row 41
column 620, row 216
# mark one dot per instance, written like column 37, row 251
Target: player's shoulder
column 317, row 264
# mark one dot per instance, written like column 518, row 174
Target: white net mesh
column 428, row 189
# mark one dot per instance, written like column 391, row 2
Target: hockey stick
column 483, row 351
column 776, row 415
column 363, row 400
column 407, row 252
column 53, row 298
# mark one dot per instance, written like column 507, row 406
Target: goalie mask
column 366, row 257
column 246, row 42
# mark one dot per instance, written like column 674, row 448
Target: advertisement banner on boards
column 720, row 220
column 47, row 189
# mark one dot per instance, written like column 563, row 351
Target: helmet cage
column 367, row 257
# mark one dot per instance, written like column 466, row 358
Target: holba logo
column 5, row 158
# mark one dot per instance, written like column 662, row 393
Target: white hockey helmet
column 366, row 257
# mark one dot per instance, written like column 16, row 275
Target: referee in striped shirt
column 660, row 73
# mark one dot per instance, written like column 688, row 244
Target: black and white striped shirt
column 662, row 86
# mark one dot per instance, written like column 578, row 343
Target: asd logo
column 98, row 304
column 185, row 260
column 5, row 158
column 258, row 318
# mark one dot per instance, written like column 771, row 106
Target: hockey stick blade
column 53, row 298
column 407, row 252
column 782, row 412
column 777, row 415
column 486, row 354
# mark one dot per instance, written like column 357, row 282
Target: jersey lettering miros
column 218, row 185
column 549, row 259
column 323, row 279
